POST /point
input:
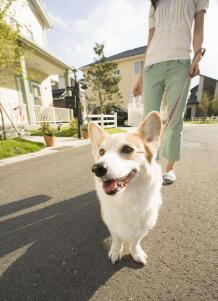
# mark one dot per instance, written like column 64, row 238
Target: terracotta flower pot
column 49, row 140
column 85, row 134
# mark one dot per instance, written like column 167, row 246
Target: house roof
column 127, row 53
column 123, row 55
column 210, row 78
column 50, row 57
column 37, row 4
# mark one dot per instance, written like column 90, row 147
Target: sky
column 120, row 24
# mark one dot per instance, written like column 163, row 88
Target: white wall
column 12, row 103
column 23, row 13
column 9, row 97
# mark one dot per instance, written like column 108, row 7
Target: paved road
column 53, row 244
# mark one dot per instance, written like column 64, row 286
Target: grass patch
column 18, row 146
column 72, row 132
column 115, row 131
column 64, row 132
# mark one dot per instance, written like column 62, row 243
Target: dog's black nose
column 100, row 169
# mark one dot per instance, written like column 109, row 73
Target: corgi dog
column 128, row 182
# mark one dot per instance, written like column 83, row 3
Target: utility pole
column 77, row 99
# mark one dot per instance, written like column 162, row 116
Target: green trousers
column 164, row 82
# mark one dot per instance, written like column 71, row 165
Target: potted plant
column 84, row 131
column 49, row 133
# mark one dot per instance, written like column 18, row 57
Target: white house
column 28, row 98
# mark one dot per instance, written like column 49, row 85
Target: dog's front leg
column 116, row 249
column 136, row 251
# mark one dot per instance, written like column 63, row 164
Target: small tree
column 205, row 105
column 103, row 80
column 9, row 46
column 215, row 107
column 9, row 50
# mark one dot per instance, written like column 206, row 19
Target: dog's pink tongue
column 109, row 186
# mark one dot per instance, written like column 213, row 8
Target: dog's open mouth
column 114, row 185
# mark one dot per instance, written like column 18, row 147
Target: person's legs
column 175, row 79
column 153, row 87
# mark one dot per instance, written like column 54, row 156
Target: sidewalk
column 62, row 143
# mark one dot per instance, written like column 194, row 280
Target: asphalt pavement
column 53, row 243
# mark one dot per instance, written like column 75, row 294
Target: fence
column 105, row 121
column 18, row 114
column 52, row 114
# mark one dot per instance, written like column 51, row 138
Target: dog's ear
column 96, row 134
column 150, row 129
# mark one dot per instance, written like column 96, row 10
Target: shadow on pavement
column 64, row 259
column 22, row 204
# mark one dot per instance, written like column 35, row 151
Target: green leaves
column 9, row 46
column 102, row 80
column 208, row 105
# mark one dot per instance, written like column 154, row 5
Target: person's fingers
column 197, row 71
column 136, row 91
column 194, row 70
column 191, row 71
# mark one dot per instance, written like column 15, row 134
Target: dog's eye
column 102, row 152
column 126, row 149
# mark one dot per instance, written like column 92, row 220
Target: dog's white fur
column 131, row 212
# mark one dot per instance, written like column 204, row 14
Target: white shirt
column 172, row 21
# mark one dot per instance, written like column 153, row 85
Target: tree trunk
column 101, row 101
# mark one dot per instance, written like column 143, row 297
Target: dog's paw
column 114, row 255
column 140, row 257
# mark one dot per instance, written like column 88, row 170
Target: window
column 138, row 67
column 36, row 93
column 117, row 72
column 54, row 85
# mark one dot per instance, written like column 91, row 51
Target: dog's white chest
column 130, row 215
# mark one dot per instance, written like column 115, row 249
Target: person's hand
column 194, row 69
column 138, row 87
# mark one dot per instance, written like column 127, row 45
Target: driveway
column 53, row 244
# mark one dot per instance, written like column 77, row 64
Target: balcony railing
column 52, row 114
column 18, row 115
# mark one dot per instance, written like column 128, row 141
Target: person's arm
column 198, row 37
column 150, row 36
column 139, row 85
column 151, row 24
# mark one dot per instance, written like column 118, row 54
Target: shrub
column 73, row 124
column 47, row 130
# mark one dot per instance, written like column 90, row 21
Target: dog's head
column 119, row 158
